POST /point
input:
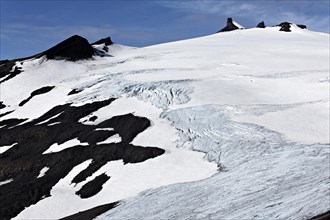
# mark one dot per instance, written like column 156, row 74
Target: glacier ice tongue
column 260, row 174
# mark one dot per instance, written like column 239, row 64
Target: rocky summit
column 230, row 26
column 261, row 25
column 73, row 48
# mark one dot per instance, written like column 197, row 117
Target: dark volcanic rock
column 324, row 216
column 37, row 92
column 91, row 213
column 230, row 26
column 6, row 113
column 93, row 118
column 107, row 41
column 93, row 187
column 2, row 105
column 24, row 161
column 8, row 70
column 75, row 91
column 73, row 48
column 302, row 26
column 285, row 26
column 261, row 25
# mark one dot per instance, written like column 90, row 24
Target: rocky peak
column 285, row 26
column 261, row 25
column 74, row 48
column 230, row 26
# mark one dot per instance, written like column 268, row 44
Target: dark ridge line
column 93, row 187
column 92, row 213
column 75, row 91
column 63, row 50
column 10, row 122
column 2, row 105
column 6, row 70
column 6, row 113
column 35, row 93
column 107, row 41
column 74, row 48
column 324, row 216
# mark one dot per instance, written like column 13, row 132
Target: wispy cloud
column 273, row 12
column 27, row 33
column 51, row 32
column 211, row 7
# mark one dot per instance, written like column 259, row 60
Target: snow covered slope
column 232, row 125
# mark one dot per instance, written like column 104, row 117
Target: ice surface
column 260, row 174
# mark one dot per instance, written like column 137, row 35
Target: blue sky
column 29, row 27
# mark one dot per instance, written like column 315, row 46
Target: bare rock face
column 106, row 41
column 230, row 26
column 8, row 70
column 285, row 26
column 261, row 25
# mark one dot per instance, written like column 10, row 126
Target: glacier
column 243, row 118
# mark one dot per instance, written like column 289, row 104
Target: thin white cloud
column 34, row 35
column 211, row 7
column 272, row 12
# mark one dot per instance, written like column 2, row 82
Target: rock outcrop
column 302, row 26
column 107, row 41
column 72, row 49
column 230, row 26
column 285, row 26
column 261, row 25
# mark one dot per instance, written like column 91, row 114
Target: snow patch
column 43, row 172
column 59, row 147
column 5, row 182
column 45, row 121
column 5, row 148
column 113, row 139
column 238, row 25
column 103, row 129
